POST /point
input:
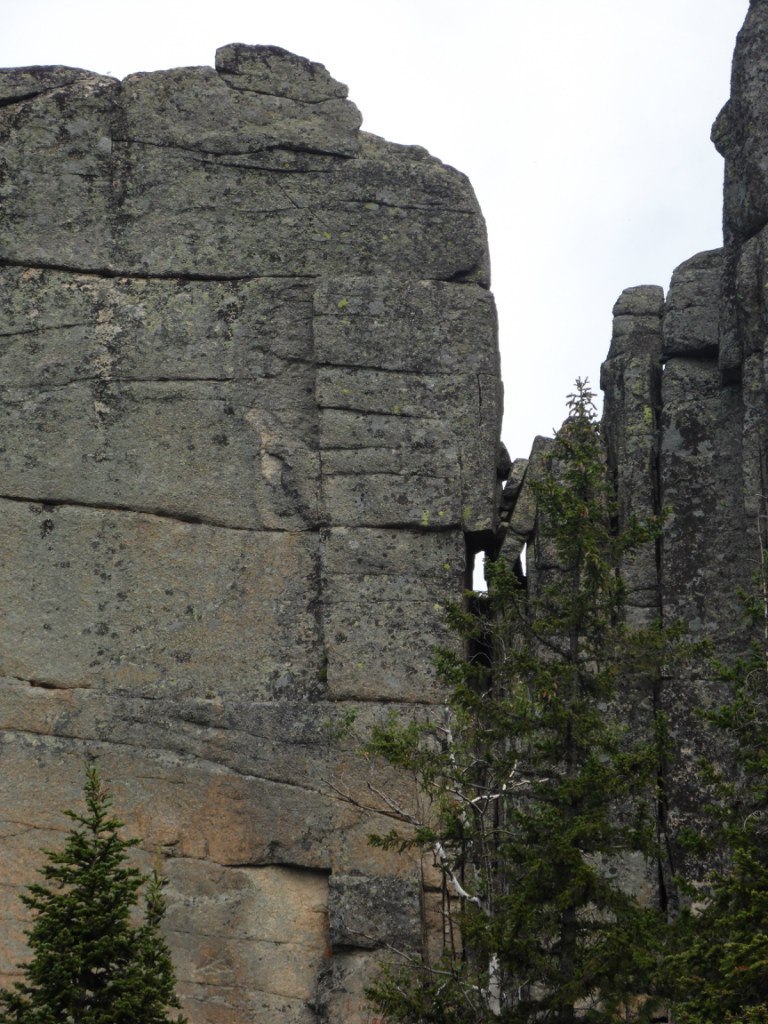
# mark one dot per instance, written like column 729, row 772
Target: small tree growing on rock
column 91, row 964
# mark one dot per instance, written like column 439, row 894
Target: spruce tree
column 537, row 793
column 90, row 963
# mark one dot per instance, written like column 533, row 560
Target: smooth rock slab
column 240, row 946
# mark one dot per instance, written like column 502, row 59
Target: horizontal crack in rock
column 168, row 275
column 50, row 503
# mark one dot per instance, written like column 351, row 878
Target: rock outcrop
column 250, row 402
column 703, row 364
column 686, row 429
column 250, row 405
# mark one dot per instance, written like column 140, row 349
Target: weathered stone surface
column 640, row 301
column 56, row 162
column 375, row 318
column 341, row 988
column 707, row 556
column 365, row 913
column 700, row 459
column 691, row 315
column 513, row 482
column 242, row 114
column 249, row 412
column 262, row 930
column 333, row 213
column 518, row 503
column 121, row 600
column 60, row 326
column 631, row 380
column 131, row 178
column 20, row 84
column 276, row 72
column 382, row 597
column 741, row 130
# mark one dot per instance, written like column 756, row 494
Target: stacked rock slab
column 250, row 403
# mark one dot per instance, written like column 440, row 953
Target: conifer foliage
column 537, row 793
column 90, row 963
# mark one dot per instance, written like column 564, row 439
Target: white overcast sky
column 582, row 124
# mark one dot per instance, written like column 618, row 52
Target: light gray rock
column 148, row 604
column 142, row 169
column 645, row 300
column 163, row 108
column 371, row 321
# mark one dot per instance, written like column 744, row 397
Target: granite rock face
column 250, row 402
column 686, row 430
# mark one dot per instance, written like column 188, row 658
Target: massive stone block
column 250, row 406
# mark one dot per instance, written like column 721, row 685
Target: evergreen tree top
column 90, row 964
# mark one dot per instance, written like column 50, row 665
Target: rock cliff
column 250, row 406
column 686, row 428
column 250, row 402
column 686, row 415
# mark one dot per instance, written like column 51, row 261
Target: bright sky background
column 582, row 124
